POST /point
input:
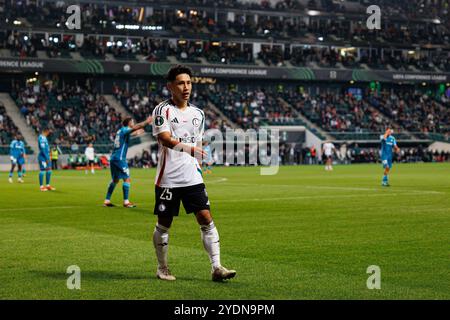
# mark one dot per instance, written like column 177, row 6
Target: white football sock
column 210, row 238
column 161, row 243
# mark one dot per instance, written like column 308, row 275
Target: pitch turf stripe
column 314, row 197
column 338, row 188
column 42, row 208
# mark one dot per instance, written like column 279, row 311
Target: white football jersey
column 89, row 153
column 175, row 168
column 328, row 148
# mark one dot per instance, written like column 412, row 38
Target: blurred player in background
column 90, row 158
column 179, row 126
column 44, row 161
column 388, row 144
column 327, row 152
column 17, row 156
column 118, row 162
column 207, row 161
column 54, row 155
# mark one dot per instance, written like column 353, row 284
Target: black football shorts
column 167, row 200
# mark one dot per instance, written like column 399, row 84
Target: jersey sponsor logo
column 187, row 139
column 174, row 120
column 196, row 122
column 159, row 121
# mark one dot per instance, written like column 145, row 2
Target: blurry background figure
column 54, row 155
column 90, row 157
column 207, row 161
column 327, row 155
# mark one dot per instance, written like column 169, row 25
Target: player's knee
column 165, row 221
column 203, row 217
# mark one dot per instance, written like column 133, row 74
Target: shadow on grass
column 96, row 275
column 109, row 275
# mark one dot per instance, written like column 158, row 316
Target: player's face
column 181, row 87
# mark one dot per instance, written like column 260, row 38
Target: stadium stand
column 8, row 130
column 77, row 116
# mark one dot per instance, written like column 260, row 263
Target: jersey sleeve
column 394, row 141
column 160, row 121
column 126, row 131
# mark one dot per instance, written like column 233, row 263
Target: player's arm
column 396, row 148
column 204, row 154
column 141, row 125
column 387, row 133
column 165, row 138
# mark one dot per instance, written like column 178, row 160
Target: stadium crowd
column 188, row 51
column 414, row 111
column 250, row 108
column 75, row 115
column 8, row 131
column 97, row 17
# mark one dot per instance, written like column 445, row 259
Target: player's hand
column 198, row 153
column 138, row 132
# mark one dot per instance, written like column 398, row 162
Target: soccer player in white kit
column 327, row 151
column 179, row 126
column 90, row 157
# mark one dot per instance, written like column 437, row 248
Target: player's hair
column 177, row 70
column 126, row 121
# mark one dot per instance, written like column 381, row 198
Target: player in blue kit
column 44, row 161
column 118, row 162
column 388, row 144
column 17, row 154
column 208, row 160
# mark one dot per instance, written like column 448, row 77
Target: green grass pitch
column 302, row 234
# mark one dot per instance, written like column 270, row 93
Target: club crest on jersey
column 159, row 121
column 196, row 122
